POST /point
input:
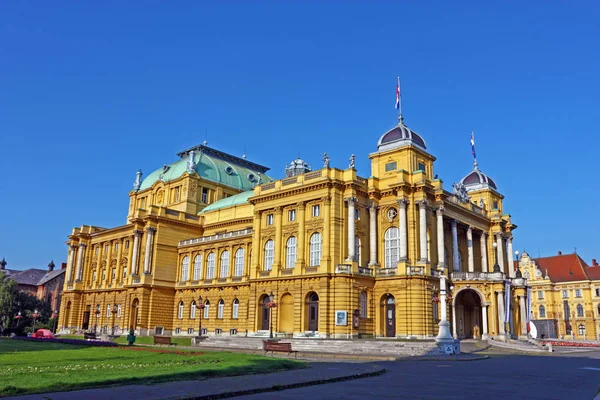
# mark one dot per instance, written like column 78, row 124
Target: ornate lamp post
column 496, row 266
column 518, row 273
column 271, row 304
column 200, row 306
column 18, row 318
column 444, row 334
column 97, row 312
column 35, row 315
column 113, row 312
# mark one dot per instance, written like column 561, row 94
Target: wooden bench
column 277, row 346
column 89, row 336
column 163, row 340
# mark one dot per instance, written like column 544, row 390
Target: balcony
column 414, row 270
column 386, row 271
column 365, row 271
column 477, row 276
column 343, row 269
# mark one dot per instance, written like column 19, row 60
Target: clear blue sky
column 92, row 91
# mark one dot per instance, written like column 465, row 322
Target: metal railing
column 415, row 270
column 365, row 271
column 220, row 236
column 477, row 276
column 386, row 271
column 343, row 269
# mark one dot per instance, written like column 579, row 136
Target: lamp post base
column 444, row 334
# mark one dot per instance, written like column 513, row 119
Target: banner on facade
column 507, row 301
column 528, row 310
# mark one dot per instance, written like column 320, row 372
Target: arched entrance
column 468, row 313
column 312, row 308
column 133, row 317
column 263, row 323
column 388, row 315
column 286, row 314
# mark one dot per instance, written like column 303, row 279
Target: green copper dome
column 212, row 165
column 235, row 200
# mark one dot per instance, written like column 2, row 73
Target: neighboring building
column 329, row 244
column 565, row 295
column 45, row 284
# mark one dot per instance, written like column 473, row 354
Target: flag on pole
column 473, row 144
column 398, row 95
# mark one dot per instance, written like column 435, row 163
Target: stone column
column 136, row 251
column 256, row 244
column 454, row 321
column 351, row 229
column 372, row 235
column 484, row 262
column 484, row 321
column 523, row 313
column 423, row 232
column 455, row 264
column 148, row 255
column 501, row 329
column 444, row 325
column 499, row 243
column 326, row 227
column 80, row 256
column 70, row 260
column 403, row 232
column 440, row 238
column 278, row 239
column 509, row 256
column 470, row 249
column 301, row 234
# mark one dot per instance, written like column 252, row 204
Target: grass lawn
column 179, row 341
column 31, row 367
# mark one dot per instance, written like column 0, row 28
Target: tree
column 8, row 299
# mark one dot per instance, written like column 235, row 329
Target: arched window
column 206, row 308
column 579, row 310
column 198, row 267
column 180, row 310
column 210, row 265
column 363, row 305
column 542, row 312
column 224, row 264
column 239, row 262
column 290, row 252
column 185, row 268
column 357, row 249
column 220, row 308
column 315, row 249
column 392, row 247
column 193, row 309
column 235, row 309
column 269, row 254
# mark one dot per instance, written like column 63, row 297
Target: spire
column 399, row 103
column 475, row 164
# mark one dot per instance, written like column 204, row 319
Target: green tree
column 8, row 300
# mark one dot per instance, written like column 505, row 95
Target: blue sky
column 93, row 91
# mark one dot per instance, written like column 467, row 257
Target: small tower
column 297, row 167
column 3, row 264
column 51, row 266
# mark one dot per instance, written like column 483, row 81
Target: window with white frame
column 190, row 331
column 185, row 268
column 206, row 308
column 392, row 247
column 579, row 310
column 239, row 262
column 542, row 312
column 235, row 309
column 198, row 267
column 224, row 273
column 269, row 255
column 597, row 291
column 124, row 271
column 315, row 249
column 565, row 294
column 180, row 310
column 363, row 305
column 290, row 252
column 577, row 292
column 270, row 219
column 118, row 311
column 581, row 329
column 540, row 295
column 316, row 210
column 292, row 215
column 178, row 331
column 356, row 213
column 357, row 249
column 210, row 265
column 220, row 309
column 193, row 309
column 108, row 310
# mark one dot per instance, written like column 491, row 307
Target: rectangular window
column 116, row 246
column 118, row 311
column 127, row 244
column 577, row 292
column 565, row 294
column 356, row 214
column 391, row 166
column 108, row 311
column 422, row 167
column 114, row 274
column 269, row 219
column 206, row 313
column 204, row 195
column 495, row 205
column 97, row 250
column 540, row 295
column 94, row 276
column 220, row 310
column 316, row 211
column 177, row 331
column 597, row 291
column 106, row 249
column 159, row 330
column 176, row 197
column 143, row 203
column 124, row 272
column 292, row 215
column 190, row 331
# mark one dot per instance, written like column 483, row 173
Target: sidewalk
column 317, row 373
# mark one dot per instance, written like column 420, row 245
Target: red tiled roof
column 564, row 268
column 593, row 272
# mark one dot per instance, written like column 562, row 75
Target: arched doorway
column 312, row 308
column 265, row 311
column 134, row 314
column 388, row 315
column 468, row 313
column 286, row 314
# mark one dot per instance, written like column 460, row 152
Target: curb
column 478, row 358
column 276, row 388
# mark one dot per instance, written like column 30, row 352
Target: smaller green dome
column 231, row 201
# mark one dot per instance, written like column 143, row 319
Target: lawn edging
column 80, row 342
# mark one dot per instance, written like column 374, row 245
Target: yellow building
column 566, row 296
column 342, row 255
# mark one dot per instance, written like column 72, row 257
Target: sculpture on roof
column 460, row 192
column 191, row 162
column 481, row 203
column 351, row 161
column 326, row 160
column 138, row 180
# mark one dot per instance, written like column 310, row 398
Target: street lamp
column 496, row 266
column 113, row 313
column 518, row 273
column 271, row 305
column 34, row 315
column 200, row 306
column 55, row 320
column 97, row 317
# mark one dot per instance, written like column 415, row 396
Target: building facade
column 211, row 241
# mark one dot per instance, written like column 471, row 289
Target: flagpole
column 399, row 102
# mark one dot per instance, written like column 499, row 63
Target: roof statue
column 352, row 158
column 461, row 192
column 138, row 180
column 326, row 160
column 191, row 162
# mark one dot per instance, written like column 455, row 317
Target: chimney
column 51, row 266
column 3, row 264
column 560, row 253
column 594, row 262
column 63, row 266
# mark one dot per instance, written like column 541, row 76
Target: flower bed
column 163, row 351
column 570, row 344
column 95, row 343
